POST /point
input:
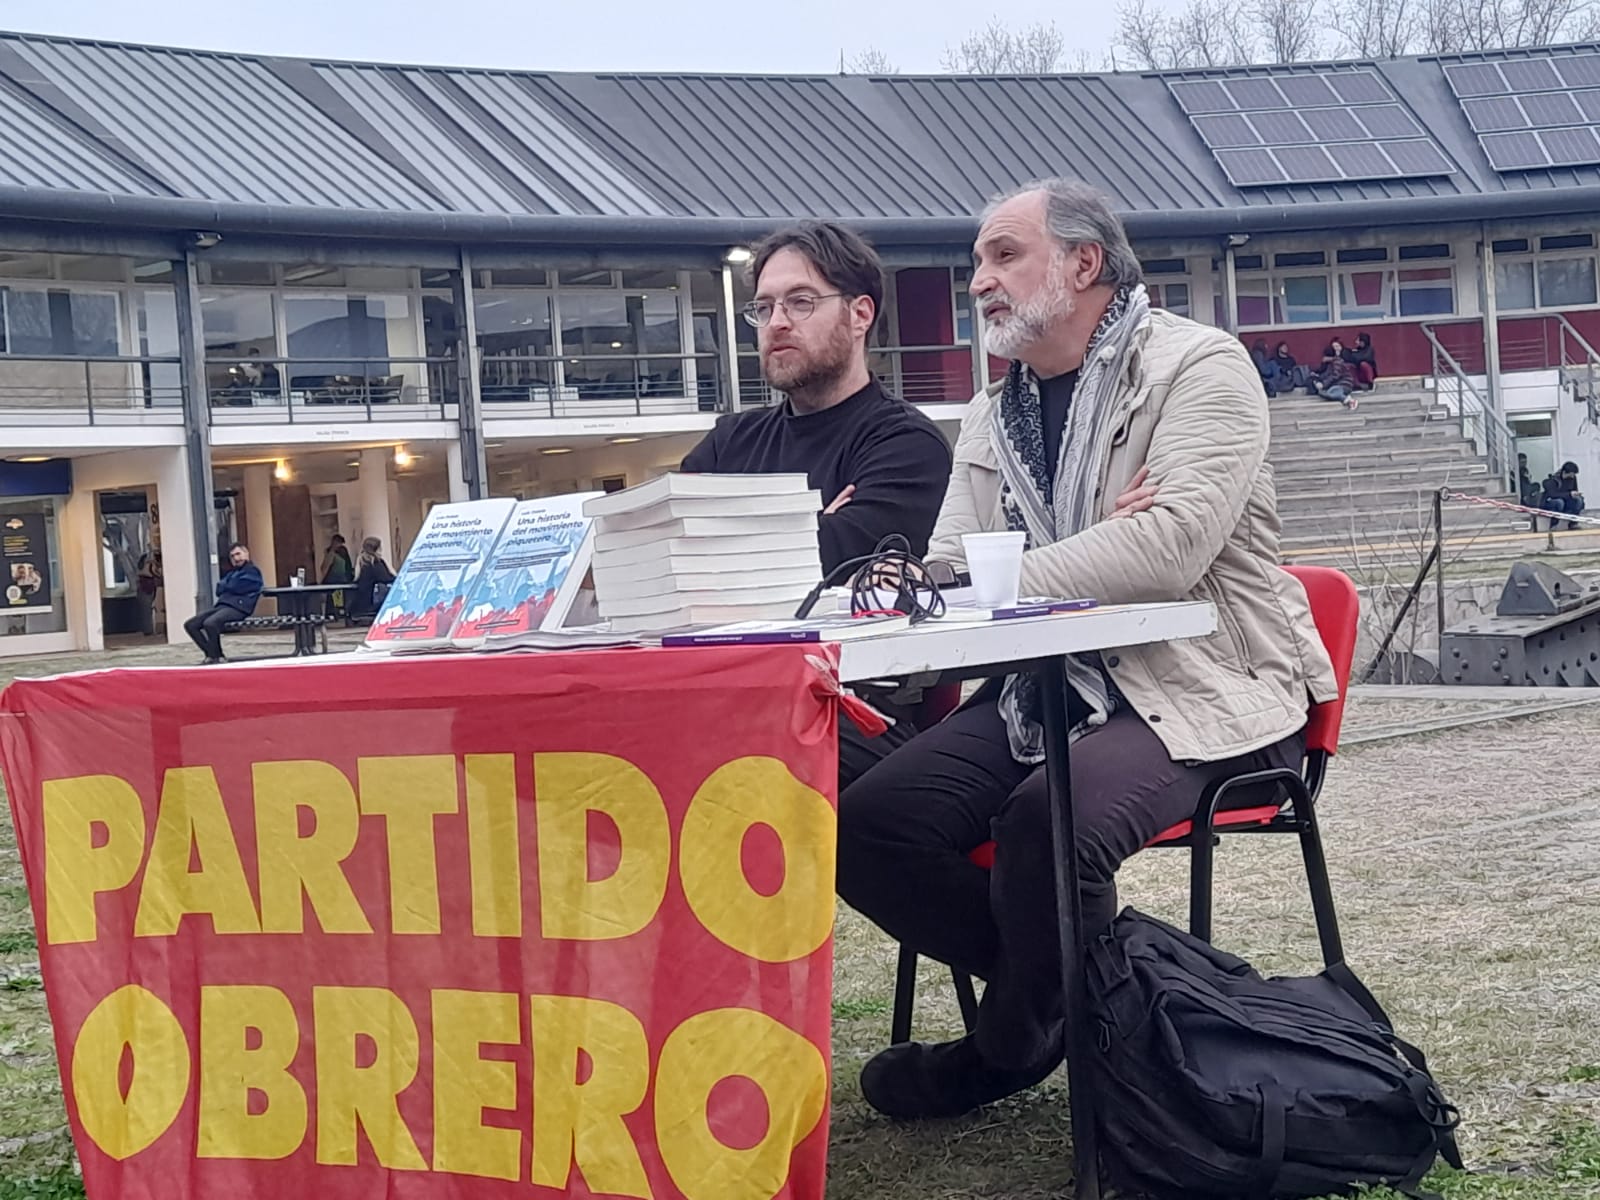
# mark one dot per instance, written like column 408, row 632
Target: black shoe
column 210, row 661
column 915, row 1081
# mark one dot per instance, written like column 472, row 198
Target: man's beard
column 803, row 371
column 1025, row 324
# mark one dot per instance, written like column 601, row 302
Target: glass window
column 41, row 322
column 1364, row 254
column 158, row 338
column 1511, row 246
column 1566, row 282
column 1174, row 297
column 24, row 266
column 645, row 280
column 960, row 282
column 589, row 277
column 1513, row 285
column 1427, row 292
column 515, row 333
column 1256, row 305
column 220, row 271
column 1301, row 258
column 1247, row 262
column 1569, row 241
column 1363, row 295
column 1165, row 266
column 41, row 606
column 314, row 275
column 654, row 318
column 1432, row 250
column 239, row 329
column 95, row 268
column 1305, row 299
column 339, row 335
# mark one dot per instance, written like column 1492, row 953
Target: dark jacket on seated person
column 372, row 573
column 894, row 456
column 240, row 588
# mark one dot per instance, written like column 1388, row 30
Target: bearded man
column 880, row 464
column 1102, row 392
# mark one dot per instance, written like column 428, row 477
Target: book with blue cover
column 441, row 570
column 534, row 572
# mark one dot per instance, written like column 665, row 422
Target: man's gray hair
column 1076, row 213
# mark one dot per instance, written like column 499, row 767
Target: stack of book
column 704, row 550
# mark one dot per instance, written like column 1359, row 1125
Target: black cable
column 891, row 578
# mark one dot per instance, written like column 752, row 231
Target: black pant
column 859, row 753
column 206, row 628
column 906, row 827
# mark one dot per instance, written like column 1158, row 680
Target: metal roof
column 173, row 139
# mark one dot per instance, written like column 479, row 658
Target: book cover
column 679, row 508
column 678, row 484
column 438, row 574
column 534, row 572
column 1028, row 606
column 836, row 627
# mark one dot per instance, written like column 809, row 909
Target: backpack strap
column 1269, row 1163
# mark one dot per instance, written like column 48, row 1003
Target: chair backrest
column 938, row 702
column 1336, row 608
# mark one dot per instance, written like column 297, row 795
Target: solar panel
column 1494, row 113
column 1551, row 109
column 1225, row 131
column 1530, row 74
column 1307, row 164
column 1514, row 151
column 1359, row 87
column 1252, row 94
column 1306, row 91
column 1202, row 96
column 1417, row 156
column 1476, row 79
column 1250, row 168
column 1388, row 120
column 1569, row 147
column 1334, row 124
column 1580, row 70
column 1281, row 129
column 1554, row 97
column 1361, row 160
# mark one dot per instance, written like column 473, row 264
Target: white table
column 967, row 650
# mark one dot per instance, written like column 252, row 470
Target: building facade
column 274, row 300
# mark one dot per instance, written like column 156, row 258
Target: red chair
column 1335, row 609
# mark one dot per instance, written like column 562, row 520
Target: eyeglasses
column 800, row 307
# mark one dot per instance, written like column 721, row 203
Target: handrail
column 1501, row 452
column 1590, row 390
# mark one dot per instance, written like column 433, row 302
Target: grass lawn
column 1468, row 883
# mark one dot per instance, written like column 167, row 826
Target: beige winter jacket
column 1191, row 406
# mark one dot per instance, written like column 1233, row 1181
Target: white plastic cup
column 994, row 560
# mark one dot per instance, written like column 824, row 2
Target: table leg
column 1069, row 904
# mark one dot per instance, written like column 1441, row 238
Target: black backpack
column 1212, row 1081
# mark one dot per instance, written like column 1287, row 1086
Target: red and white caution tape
column 1508, row 506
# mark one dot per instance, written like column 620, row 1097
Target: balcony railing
column 273, row 390
column 600, row 385
column 51, row 389
column 920, row 374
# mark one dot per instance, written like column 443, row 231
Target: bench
column 316, row 621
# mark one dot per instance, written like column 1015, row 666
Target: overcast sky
column 633, row 35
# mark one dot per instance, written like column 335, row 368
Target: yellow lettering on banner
column 581, row 1123
column 567, row 788
column 230, row 1071
column 349, row 1095
column 134, row 1021
column 409, row 791
column 798, row 918
column 465, row 1083
column 493, row 855
column 699, row 1054
column 290, row 865
column 192, row 820
column 75, row 869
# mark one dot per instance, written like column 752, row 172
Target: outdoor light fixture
column 202, row 240
column 616, row 345
column 281, row 472
column 625, row 441
column 556, row 450
column 33, row 458
column 402, row 457
column 737, row 256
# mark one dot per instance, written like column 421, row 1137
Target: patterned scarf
column 1049, row 514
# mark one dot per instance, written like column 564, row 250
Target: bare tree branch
column 872, row 61
column 1292, row 28
column 996, row 49
column 1144, row 33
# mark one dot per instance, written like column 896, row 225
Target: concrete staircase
column 1355, row 488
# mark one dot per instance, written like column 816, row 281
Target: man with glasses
column 880, row 464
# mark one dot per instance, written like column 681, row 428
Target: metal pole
column 196, row 427
column 1069, row 923
column 1230, row 292
column 1400, row 617
column 730, row 336
column 469, row 398
column 1491, row 326
column 1438, row 567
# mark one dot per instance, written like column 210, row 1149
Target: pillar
column 202, row 539
column 731, row 400
column 258, row 516
column 1230, row 293
column 375, row 520
column 458, row 480
column 469, row 406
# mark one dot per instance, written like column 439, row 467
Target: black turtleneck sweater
column 896, row 458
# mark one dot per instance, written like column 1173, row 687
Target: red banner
column 484, row 926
